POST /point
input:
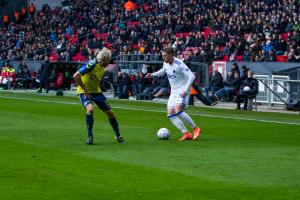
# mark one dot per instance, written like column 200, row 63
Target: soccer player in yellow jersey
column 88, row 79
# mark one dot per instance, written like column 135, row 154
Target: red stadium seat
column 186, row 34
column 226, row 58
column 53, row 57
column 281, row 58
column 179, row 35
column 206, row 29
column 103, row 36
column 134, row 46
column 285, row 36
column 239, row 58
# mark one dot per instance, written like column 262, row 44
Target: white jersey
column 179, row 75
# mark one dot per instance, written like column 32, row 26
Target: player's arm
column 77, row 77
column 82, row 71
column 160, row 72
column 190, row 76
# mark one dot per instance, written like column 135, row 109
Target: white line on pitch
column 159, row 111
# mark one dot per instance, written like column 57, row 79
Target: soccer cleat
column 120, row 140
column 90, row 140
column 186, row 136
column 197, row 132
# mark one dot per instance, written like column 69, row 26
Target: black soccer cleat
column 90, row 140
column 120, row 140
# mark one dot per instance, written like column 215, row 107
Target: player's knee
column 179, row 113
column 89, row 110
column 110, row 114
column 171, row 115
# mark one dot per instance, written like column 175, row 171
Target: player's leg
column 175, row 120
column 246, row 102
column 239, row 101
column 89, row 119
column 102, row 103
column 89, row 122
column 115, row 125
column 179, row 109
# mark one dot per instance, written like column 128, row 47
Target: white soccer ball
column 246, row 88
column 163, row 133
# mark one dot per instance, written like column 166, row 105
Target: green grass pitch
column 240, row 155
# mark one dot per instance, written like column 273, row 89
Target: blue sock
column 89, row 124
column 113, row 122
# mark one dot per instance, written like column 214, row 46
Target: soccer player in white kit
column 180, row 78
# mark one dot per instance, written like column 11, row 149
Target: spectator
column 23, row 78
column 129, row 6
column 238, row 28
column 140, row 84
column 235, row 68
column 7, row 76
column 45, row 75
column 216, row 83
column 249, row 89
column 162, row 87
column 244, row 72
column 31, row 9
column 124, row 86
column 232, row 85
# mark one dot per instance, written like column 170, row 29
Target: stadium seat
column 206, row 29
column 285, row 36
column 281, row 58
column 186, row 34
column 222, row 48
column 53, row 57
column 239, row 58
column 226, row 58
column 134, row 46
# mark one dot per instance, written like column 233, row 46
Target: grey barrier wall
column 266, row 68
column 131, row 63
column 36, row 65
column 32, row 65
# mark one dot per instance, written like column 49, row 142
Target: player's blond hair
column 104, row 54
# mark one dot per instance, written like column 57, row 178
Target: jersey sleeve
column 87, row 67
column 160, row 72
column 188, row 74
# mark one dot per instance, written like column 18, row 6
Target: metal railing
column 276, row 89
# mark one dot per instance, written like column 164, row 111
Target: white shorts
column 176, row 98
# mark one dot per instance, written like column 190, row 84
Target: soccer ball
column 163, row 133
column 246, row 88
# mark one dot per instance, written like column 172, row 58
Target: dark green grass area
column 43, row 155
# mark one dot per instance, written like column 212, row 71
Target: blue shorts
column 98, row 98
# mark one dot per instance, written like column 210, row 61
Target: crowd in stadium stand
column 201, row 31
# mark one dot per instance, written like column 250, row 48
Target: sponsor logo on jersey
column 177, row 62
column 172, row 76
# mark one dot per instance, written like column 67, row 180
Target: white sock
column 178, row 123
column 186, row 118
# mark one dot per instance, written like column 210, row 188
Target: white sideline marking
column 159, row 111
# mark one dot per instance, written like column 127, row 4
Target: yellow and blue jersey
column 91, row 74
